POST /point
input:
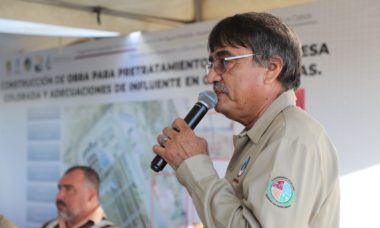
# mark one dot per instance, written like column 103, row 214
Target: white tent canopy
column 121, row 16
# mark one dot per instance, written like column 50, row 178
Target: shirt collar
column 286, row 99
column 95, row 217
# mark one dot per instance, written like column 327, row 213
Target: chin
column 217, row 109
column 66, row 216
column 226, row 111
column 222, row 110
column 222, row 104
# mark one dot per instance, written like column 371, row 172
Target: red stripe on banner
column 300, row 94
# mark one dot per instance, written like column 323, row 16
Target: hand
column 181, row 144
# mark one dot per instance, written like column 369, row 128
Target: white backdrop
column 102, row 104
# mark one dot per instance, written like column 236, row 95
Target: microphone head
column 208, row 98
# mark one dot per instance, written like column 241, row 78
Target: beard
column 67, row 216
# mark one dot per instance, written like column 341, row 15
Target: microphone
column 206, row 100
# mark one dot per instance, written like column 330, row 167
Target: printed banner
column 103, row 104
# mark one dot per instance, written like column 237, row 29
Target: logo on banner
column 38, row 63
column 27, row 65
column 17, row 66
column 8, row 67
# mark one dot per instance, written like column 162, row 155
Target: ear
column 274, row 69
column 92, row 194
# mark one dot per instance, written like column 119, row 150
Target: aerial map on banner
column 116, row 140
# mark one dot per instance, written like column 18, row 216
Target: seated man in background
column 77, row 200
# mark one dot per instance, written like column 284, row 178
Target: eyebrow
column 65, row 186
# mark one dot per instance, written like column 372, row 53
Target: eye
column 68, row 188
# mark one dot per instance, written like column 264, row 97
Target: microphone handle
column 192, row 119
column 195, row 115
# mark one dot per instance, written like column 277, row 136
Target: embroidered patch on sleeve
column 280, row 192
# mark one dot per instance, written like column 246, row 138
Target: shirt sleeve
column 213, row 197
column 283, row 188
column 301, row 166
column 299, row 163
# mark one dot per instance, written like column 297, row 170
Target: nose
column 212, row 76
column 59, row 195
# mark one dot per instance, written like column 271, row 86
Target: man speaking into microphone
column 284, row 169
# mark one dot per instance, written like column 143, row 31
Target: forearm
column 214, row 199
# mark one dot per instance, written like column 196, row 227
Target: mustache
column 60, row 202
column 219, row 87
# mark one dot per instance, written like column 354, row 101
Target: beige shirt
column 96, row 217
column 283, row 173
column 6, row 223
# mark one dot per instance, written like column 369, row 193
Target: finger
column 170, row 132
column 179, row 124
column 158, row 149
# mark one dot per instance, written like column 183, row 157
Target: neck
column 267, row 101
